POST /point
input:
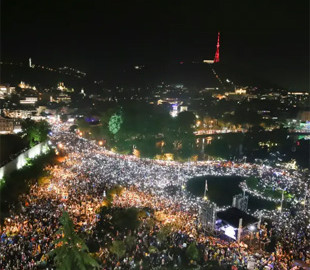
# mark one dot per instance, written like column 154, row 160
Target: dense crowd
column 79, row 185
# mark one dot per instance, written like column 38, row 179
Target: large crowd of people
column 80, row 183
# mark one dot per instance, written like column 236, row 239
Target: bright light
column 174, row 113
column 100, row 143
column 60, row 145
column 230, row 232
column 252, row 228
column 205, row 198
column 279, row 208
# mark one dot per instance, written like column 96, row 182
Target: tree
column 186, row 120
column 130, row 241
column 178, row 134
column 126, row 218
column 35, row 132
column 71, row 252
column 153, row 249
column 73, row 128
column 118, row 248
column 192, row 252
column 218, row 148
column 83, row 125
column 115, row 123
column 163, row 233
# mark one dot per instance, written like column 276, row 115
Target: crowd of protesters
column 79, row 186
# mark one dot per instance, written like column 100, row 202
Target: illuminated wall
column 21, row 160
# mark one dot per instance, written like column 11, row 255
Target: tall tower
column 30, row 65
column 217, row 53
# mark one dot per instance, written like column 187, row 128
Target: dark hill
column 14, row 74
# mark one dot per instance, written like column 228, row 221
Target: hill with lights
column 42, row 76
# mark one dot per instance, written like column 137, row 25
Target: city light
column 168, row 153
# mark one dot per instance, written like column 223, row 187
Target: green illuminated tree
column 35, row 132
column 115, row 123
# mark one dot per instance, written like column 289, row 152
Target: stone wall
column 21, row 160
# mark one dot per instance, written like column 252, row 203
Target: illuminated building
column 240, row 91
column 23, row 85
column 29, row 100
column 183, row 108
column 23, row 114
column 6, row 90
column 63, row 98
column 9, row 126
column 174, row 110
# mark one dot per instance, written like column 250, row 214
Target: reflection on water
column 221, row 190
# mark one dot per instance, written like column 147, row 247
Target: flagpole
column 282, row 199
column 306, row 194
column 206, row 188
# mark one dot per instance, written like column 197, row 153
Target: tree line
column 148, row 129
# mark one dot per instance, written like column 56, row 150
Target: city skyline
column 146, row 134
column 264, row 41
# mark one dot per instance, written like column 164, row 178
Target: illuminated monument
column 217, row 53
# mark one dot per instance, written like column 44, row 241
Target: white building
column 29, row 100
column 6, row 90
column 9, row 126
column 21, row 114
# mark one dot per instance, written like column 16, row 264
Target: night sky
column 267, row 39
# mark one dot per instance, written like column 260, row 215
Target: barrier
column 21, row 160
